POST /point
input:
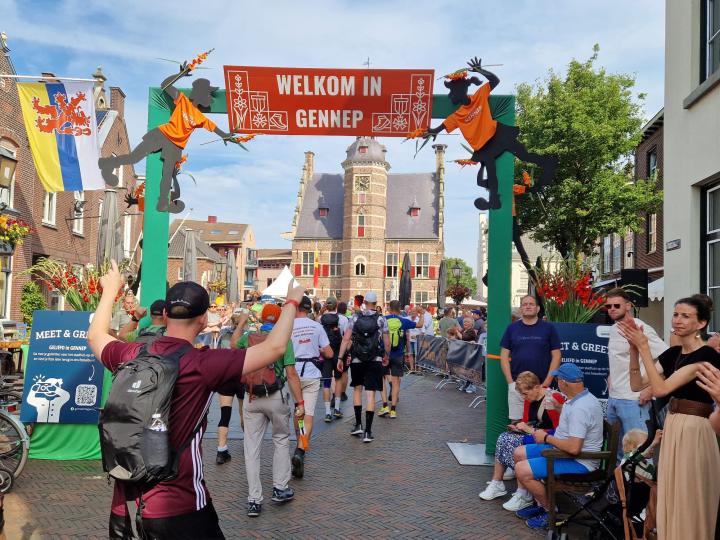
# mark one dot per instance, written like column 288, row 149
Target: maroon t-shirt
column 202, row 372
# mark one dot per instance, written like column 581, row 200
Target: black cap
column 157, row 307
column 186, row 300
column 306, row 304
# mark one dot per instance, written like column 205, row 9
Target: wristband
column 300, row 403
column 134, row 318
column 545, row 438
column 293, row 302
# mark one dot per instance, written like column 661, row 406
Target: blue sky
column 530, row 37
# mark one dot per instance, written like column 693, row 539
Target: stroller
column 621, row 507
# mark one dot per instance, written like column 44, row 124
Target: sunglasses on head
column 616, row 306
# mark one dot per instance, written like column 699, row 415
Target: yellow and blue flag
column 62, row 131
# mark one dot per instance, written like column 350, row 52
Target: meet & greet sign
column 315, row 101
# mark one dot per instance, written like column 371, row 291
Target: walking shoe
column 539, row 522
column 368, row 437
column 283, row 495
column 254, row 509
column 384, row 411
column 343, row 397
column 223, row 457
column 357, row 430
column 328, row 418
column 298, row 464
column 518, row 502
column 393, row 414
column 530, row 512
column 493, row 491
column 509, row 474
column 338, row 413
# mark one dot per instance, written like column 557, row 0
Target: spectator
column 534, row 345
column 181, row 508
column 541, row 410
column 632, row 409
column 687, row 501
column 125, row 314
column 478, row 321
column 580, row 429
column 131, row 331
column 468, row 332
column 211, row 332
column 449, row 326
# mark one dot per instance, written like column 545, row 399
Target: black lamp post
column 457, row 271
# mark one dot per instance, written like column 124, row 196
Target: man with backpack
column 368, row 334
column 155, row 417
column 334, row 325
column 266, row 401
column 311, row 346
column 397, row 326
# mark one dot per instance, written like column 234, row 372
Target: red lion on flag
column 65, row 117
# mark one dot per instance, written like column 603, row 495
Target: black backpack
column 331, row 324
column 366, row 345
column 131, row 451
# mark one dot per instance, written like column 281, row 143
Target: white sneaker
column 518, row 502
column 493, row 491
column 509, row 474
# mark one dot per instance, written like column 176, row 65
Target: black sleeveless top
column 673, row 359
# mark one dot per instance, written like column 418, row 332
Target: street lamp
column 457, row 271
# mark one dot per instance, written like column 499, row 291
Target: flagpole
column 45, row 77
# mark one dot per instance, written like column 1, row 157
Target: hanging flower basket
column 218, row 286
column 458, row 292
column 13, row 230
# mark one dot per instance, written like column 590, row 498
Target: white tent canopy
column 279, row 287
column 656, row 289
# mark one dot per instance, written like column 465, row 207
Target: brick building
column 361, row 224
column 270, row 264
column 64, row 228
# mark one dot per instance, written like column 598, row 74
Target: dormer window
column 323, row 208
column 362, row 149
column 414, row 209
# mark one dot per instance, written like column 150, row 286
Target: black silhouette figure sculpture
column 170, row 139
column 488, row 137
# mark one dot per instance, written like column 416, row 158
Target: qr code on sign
column 85, row 395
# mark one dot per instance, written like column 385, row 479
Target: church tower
column 364, row 206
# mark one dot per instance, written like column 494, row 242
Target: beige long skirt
column 688, row 479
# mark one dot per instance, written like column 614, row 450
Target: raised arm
column 170, row 90
column 98, row 334
column 475, row 65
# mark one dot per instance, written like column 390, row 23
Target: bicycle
column 14, row 440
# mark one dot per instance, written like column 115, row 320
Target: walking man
column 311, row 345
column 632, row 409
column 334, row 324
column 533, row 345
column 269, row 403
column 368, row 334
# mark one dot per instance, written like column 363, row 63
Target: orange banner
column 309, row 101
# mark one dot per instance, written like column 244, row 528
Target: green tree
column 466, row 275
column 591, row 121
column 31, row 300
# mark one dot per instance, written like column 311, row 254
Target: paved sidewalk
column 406, row 484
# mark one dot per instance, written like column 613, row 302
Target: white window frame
column 392, row 260
column 127, row 236
column 78, row 224
column 335, row 269
column 711, row 37
column 607, row 254
column 49, row 208
column 652, row 233
column 360, row 263
column 307, row 261
column 616, row 252
column 422, row 265
column 710, row 288
column 7, row 195
column 707, row 204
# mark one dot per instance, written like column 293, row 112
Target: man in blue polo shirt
column 580, row 430
column 533, row 345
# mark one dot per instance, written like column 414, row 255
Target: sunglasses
column 610, row 306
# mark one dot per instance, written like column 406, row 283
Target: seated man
column 580, row 430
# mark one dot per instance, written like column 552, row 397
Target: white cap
column 371, row 297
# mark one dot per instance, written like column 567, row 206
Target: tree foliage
column 591, row 121
column 31, row 300
column 466, row 276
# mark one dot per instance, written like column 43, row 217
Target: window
column 361, row 226
column 49, row 205
column 323, row 212
column 652, row 163
column 308, row 263
column 710, row 41
column 414, row 212
column 233, row 232
column 617, row 253
column 78, row 224
column 422, row 265
column 607, row 252
column 127, row 236
column 422, row 297
column 651, row 232
column 7, row 174
column 360, row 266
column 335, row 263
column 388, row 296
column 391, row 264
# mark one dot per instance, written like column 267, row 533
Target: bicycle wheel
column 14, row 444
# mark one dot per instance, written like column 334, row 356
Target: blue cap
column 568, row 372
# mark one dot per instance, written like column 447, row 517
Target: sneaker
column 393, row 414
column 254, row 509
column 357, row 430
column 298, row 464
column 328, row 418
column 493, row 491
column 337, row 413
column 368, row 437
column 384, row 411
column 509, row 474
column 223, row 457
column 283, row 495
column 539, row 522
column 530, row 512
column 518, row 502
column 343, row 397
